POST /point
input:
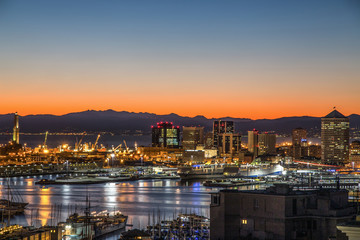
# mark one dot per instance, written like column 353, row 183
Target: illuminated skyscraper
column 16, row 130
column 229, row 143
column 221, row 127
column 267, row 143
column 335, row 138
column 192, row 136
column 165, row 135
column 253, row 142
column 298, row 140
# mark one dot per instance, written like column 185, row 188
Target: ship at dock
column 92, row 226
column 225, row 171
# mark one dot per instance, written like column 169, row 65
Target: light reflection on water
column 137, row 199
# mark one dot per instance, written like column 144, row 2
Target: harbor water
column 137, row 199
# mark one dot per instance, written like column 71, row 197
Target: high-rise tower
column 253, row 142
column 335, row 138
column 16, row 131
column 165, row 135
column 220, row 127
column 298, row 142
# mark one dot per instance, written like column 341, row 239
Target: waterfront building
column 166, row 135
column 229, row 144
column 278, row 212
column 220, row 127
column 253, row 142
column 194, row 156
column 267, row 143
column 16, row 129
column 191, row 137
column 298, row 141
column 335, row 138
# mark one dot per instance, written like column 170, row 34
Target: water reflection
column 44, row 211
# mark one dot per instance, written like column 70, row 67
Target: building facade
column 278, row 213
column 253, row 142
column 335, row 138
column 299, row 140
column 267, row 144
column 191, row 137
column 229, row 144
column 165, row 135
column 220, row 127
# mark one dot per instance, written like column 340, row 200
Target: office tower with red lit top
column 166, row 135
column 221, row 127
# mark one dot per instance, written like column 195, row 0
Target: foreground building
column 278, row 212
column 335, row 138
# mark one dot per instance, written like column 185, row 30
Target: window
column 244, row 221
column 294, row 207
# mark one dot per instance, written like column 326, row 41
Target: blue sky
column 302, row 51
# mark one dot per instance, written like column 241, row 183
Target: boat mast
column 8, row 187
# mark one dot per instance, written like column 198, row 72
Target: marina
column 136, row 199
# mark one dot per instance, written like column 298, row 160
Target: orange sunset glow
column 230, row 65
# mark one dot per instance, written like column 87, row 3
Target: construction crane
column 94, row 145
column 126, row 147
column 44, row 144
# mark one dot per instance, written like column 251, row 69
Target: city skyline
column 240, row 59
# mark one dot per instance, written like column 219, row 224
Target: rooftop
column 335, row 114
column 286, row 190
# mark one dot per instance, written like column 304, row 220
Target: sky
column 254, row 59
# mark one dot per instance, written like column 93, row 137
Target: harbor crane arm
column 97, row 139
column 78, row 144
column 44, row 144
column 119, row 146
column 126, row 147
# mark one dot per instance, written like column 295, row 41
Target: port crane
column 77, row 147
column 94, row 145
column 44, row 144
column 119, row 146
column 126, row 147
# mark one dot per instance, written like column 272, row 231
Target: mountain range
column 120, row 122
